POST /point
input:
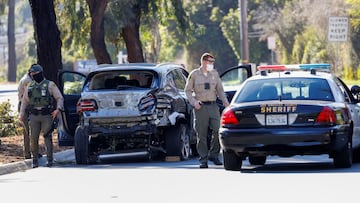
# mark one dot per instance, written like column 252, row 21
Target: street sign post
column 271, row 45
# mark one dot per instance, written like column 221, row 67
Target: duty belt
column 207, row 102
column 40, row 111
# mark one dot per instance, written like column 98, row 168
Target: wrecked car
column 126, row 110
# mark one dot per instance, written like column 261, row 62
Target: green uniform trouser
column 207, row 116
column 26, row 148
column 38, row 124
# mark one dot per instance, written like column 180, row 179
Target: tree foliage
column 206, row 33
column 177, row 30
column 300, row 27
column 230, row 28
column 74, row 22
column 122, row 22
column 354, row 13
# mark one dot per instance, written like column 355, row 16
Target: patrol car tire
column 81, row 146
column 232, row 162
column 177, row 141
column 257, row 160
column 343, row 158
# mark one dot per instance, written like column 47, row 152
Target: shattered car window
column 117, row 79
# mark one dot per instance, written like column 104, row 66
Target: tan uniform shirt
column 53, row 90
column 196, row 88
column 24, row 82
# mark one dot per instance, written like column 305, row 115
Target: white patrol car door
column 232, row 78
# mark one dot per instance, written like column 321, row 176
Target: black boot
column 215, row 160
column 49, row 163
column 35, row 164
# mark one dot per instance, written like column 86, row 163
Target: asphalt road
column 296, row 179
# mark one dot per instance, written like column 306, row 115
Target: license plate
column 276, row 119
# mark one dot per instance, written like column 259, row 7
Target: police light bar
column 322, row 66
column 316, row 66
column 272, row 67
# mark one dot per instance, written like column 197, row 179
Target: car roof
column 161, row 67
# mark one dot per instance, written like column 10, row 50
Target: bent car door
column 70, row 85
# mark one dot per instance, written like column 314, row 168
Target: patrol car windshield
column 285, row 89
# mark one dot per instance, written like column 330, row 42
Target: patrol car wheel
column 257, row 160
column 178, row 141
column 343, row 158
column 232, row 162
column 81, row 146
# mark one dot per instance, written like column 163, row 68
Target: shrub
column 8, row 120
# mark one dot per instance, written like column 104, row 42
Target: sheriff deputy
column 45, row 102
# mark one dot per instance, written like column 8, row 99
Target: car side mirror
column 355, row 90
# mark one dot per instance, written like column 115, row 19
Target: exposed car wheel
column 343, row 158
column 257, row 160
column 232, row 162
column 178, row 141
column 81, row 146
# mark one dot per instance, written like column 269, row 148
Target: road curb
column 15, row 167
column 66, row 156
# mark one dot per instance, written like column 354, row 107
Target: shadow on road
column 142, row 163
column 313, row 167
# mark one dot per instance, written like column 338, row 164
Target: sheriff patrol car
column 288, row 110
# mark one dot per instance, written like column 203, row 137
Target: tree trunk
column 11, row 42
column 131, row 36
column 47, row 37
column 97, row 35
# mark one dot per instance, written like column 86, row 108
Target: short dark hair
column 206, row 56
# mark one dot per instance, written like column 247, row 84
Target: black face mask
column 38, row 77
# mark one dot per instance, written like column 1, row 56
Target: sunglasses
column 210, row 60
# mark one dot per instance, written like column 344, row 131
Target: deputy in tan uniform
column 24, row 82
column 40, row 97
column 202, row 88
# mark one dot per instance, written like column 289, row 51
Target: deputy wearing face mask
column 44, row 102
column 202, row 88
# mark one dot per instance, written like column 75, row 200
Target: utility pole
column 244, row 32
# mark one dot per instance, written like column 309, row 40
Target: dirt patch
column 11, row 148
